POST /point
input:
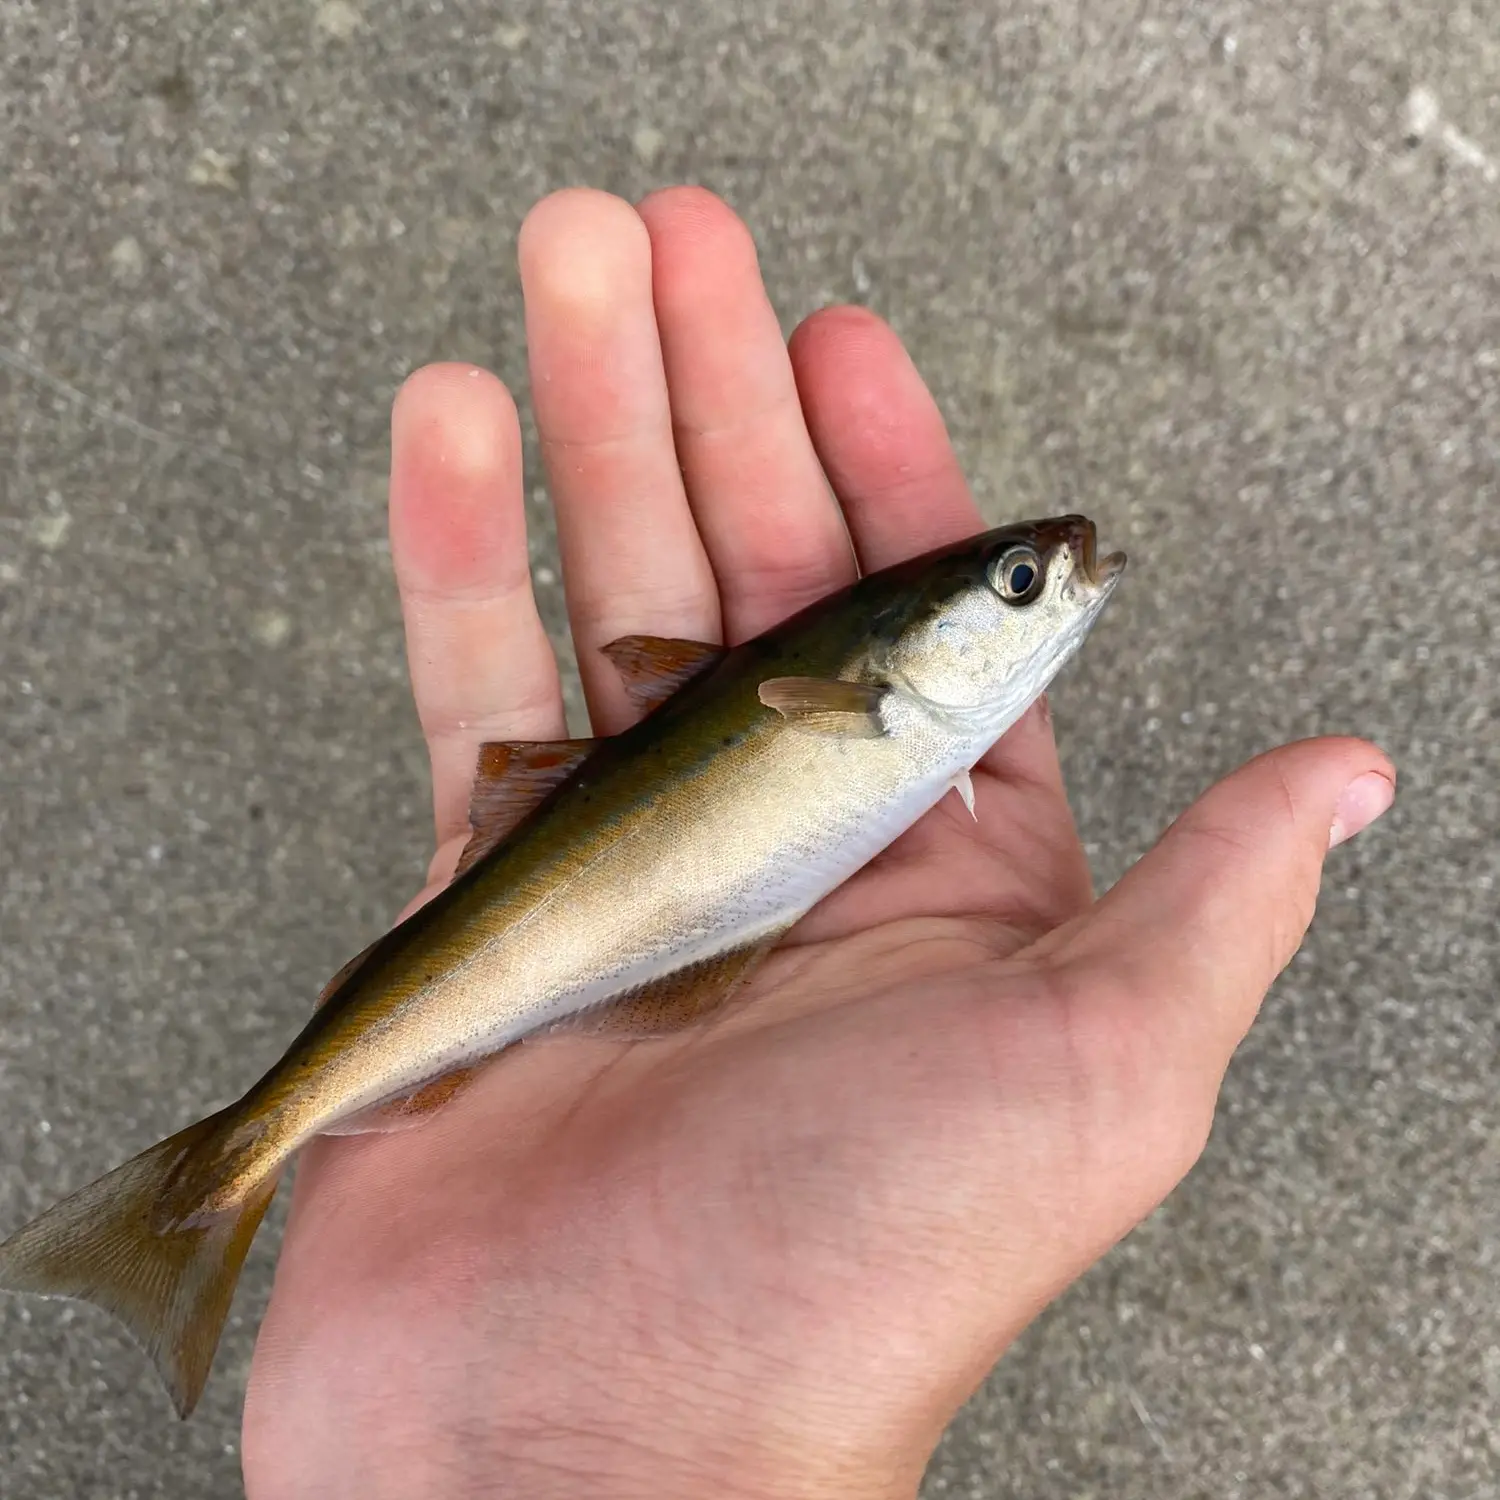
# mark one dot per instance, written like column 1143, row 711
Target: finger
column 481, row 666
column 771, row 526
column 632, row 559
column 885, row 447
column 881, row 438
column 1181, row 952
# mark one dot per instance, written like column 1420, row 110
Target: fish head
column 978, row 629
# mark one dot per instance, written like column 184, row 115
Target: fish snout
column 1080, row 538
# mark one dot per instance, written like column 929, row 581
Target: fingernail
column 1364, row 799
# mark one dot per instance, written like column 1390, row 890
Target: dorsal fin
column 511, row 778
column 653, row 667
column 336, row 983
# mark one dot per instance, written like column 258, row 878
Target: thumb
column 1192, row 937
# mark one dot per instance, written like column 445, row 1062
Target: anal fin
column 674, row 1002
column 402, row 1111
column 661, row 1008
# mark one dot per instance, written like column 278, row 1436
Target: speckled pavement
column 1222, row 275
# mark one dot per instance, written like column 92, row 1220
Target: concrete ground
column 1221, row 274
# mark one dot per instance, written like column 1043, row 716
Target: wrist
column 580, row 1438
column 556, row 1462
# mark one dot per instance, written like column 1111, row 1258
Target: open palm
column 772, row 1256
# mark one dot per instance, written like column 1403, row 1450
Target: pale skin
column 772, row 1257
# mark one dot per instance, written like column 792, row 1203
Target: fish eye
column 1017, row 575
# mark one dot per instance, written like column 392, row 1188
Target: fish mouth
column 1081, row 538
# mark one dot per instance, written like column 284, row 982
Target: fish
column 624, row 887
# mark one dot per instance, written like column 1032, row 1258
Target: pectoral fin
column 676, row 1001
column 510, row 780
column 653, row 667
column 823, row 705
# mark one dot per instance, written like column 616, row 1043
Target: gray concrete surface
column 1222, row 274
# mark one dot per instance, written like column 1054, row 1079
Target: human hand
column 773, row 1256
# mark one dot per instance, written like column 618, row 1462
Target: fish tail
column 169, row 1282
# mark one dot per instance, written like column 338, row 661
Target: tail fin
column 170, row 1289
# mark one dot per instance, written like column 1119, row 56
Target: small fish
column 623, row 887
